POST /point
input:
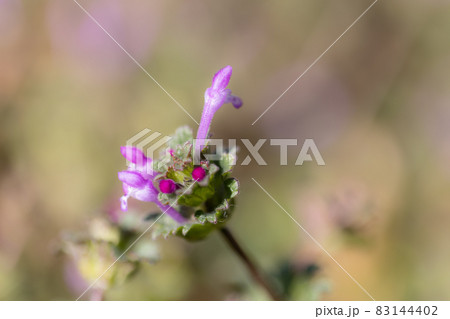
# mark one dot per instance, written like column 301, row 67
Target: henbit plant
column 195, row 197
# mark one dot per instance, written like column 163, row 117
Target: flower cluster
column 197, row 196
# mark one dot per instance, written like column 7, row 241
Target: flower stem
column 254, row 271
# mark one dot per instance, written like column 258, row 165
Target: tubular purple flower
column 215, row 97
column 138, row 182
column 172, row 212
column 145, row 192
column 132, row 179
column 137, row 159
column 133, row 154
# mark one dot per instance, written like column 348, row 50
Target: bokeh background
column 377, row 105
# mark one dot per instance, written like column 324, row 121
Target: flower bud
column 167, row 186
column 198, row 173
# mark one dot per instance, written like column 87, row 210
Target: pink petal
column 124, row 203
column 134, row 155
column 222, row 78
column 132, row 179
column 146, row 194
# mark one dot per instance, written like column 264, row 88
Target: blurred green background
column 377, row 106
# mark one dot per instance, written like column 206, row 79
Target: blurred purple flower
column 215, row 97
column 74, row 35
column 11, row 18
column 138, row 182
column 320, row 108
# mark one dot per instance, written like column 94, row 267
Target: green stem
column 254, row 271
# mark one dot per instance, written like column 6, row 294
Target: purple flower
column 138, row 182
column 198, row 173
column 139, row 179
column 167, row 186
column 11, row 20
column 137, row 159
column 215, row 97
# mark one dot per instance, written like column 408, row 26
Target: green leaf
column 232, row 186
column 164, row 198
column 176, row 176
column 183, row 152
column 198, row 196
column 180, row 174
column 161, row 165
column 164, row 227
column 194, row 232
column 203, row 222
column 191, row 231
column 213, row 169
column 212, row 198
column 227, row 162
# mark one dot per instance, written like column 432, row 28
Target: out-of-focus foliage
column 376, row 104
column 107, row 244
